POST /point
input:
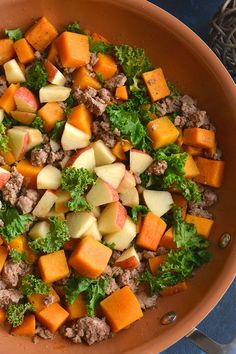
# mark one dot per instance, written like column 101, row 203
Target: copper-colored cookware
column 193, row 67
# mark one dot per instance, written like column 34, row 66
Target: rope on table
column 222, row 35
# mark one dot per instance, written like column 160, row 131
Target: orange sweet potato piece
column 2, row 316
column 81, row 118
column 156, row 84
column 23, row 117
column 7, row 101
column 24, row 51
column 51, row 113
column 37, row 300
column 53, row 317
column 172, row 290
column 7, row 51
column 8, row 157
column 192, row 150
column 1, row 240
column 77, row 309
column 71, row 244
column 211, row 172
column 3, row 256
column 83, row 80
column 21, row 245
column 73, row 49
column 121, row 309
column 41, row 34
column 53, row 266
column 27, row 328
column 90, row 257
column 181, row 202
column 198, row 137
column 203, row 225
column 180, row 139
column 106, row 66
column 151, row 232
column 167, row 240
column 162, row 132
column 122, row 93
column 29, row 172
column 190, row 168
column 52, row 53
column 155, row 263
column 99, row 38
column 118, row 151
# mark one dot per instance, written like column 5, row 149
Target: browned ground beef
column 3, row 85
column 157, row 168
column 43, row 332
column 90, row 98
column 27, row 200
column 116, row 81
column 9, row 296
column 145, row 300
column 90, row 330
column 12, row 272
column 101, row 130
column 12, row 188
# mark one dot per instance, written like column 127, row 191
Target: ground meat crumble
column 12, row 188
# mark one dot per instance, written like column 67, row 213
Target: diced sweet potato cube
column 8, row 157
column 53, row 266
column 155, row 263
column 41, row 34
column 162, row 132
column 7, row 51
column 156, row 84
column 203, row 225
column 106, row 66
column 71, row 244
column 2, row 316
column 27, row 328
column 18, row 243
column 78, row 308
column 121, row 309
column 122, row 93
column 24, row 51
column 152, row 229
column 90, row 257
column 73, row 49
column 7, row 101
column 180, row 202
column 83, row 79
column 51, row 113
column 191, row 169
column 192, row 150
column 37, row 300
column 52, row 53
column 29, row 172
column 53, row 317
column 172, row 290
column 167, row 240
column 3, row 256
column 118, row 151
column 198, row 137
column 211, row 172
column 81, row 118
column 99, row 38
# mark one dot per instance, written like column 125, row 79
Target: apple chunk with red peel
column 73, row 138
column 102, row 193
column 23, row 117
column 39, row 230
column 130, row 198
column 79, row 223
column 53, row 93
column 25, row 100
column 4, row 177
column 45, row 204
column 93, row 232
column 49, row 178
column 159, row 202
column 127, row 182
column 18, row 142
column 112, row 218
column 123, row 238
column 112, row 174
column 13, row 72
column 129, row 259
column 35, row 136
column 103, row 155
column 83, row 158
column 139, row 161
column 55, row 77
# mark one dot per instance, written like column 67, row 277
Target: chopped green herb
column 32, row 285
column 110, row 245
column 138, row 209
column 99, row 47
column 3, row 139
column 16, row 313
column 74, row 27
column 17, row 257
column 100, row 78
column 69, row 104
column 14, row 34
column 57, row 130
column 8, row 121
column 38, row 124
column 36, row 76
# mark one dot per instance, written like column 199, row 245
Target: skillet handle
column 206, row 344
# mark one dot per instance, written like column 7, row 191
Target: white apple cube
column 139, row 161
column 49, row 178
column 4, row 177
column 130, row 198
column 83, row 158
column 103, row 155
column 1, row 115
column 55, row 77
column 112, row 174
column 39, row 230
column 127, row 182
column 61, row 203
column 78, row 223
column 102, row 193
column 73, row 138
column 122, row 239
column 25, row 100
column 13, row 72
column 96, row 211
column 129, row 259
column 53, row 212
column 54, row 93
column 45, row 204
column 18, row 142
column 159, row 202
column 93, row 232
column 35, row 136
column 112, row 218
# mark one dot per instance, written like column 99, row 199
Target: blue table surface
column 220, row 324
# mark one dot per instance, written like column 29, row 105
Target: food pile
column 104, row 182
